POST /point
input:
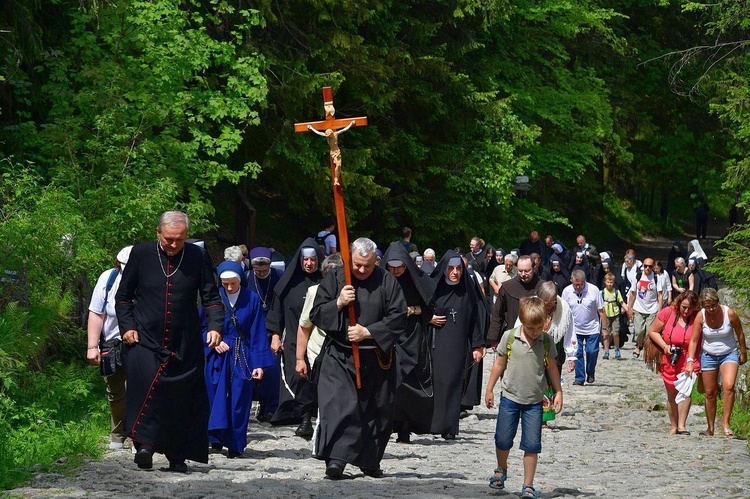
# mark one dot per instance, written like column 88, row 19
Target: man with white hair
column 429, row 261
column 167, row 401
column 354, row 425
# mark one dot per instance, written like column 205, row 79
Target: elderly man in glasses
column 587, row 305
column 645, row 301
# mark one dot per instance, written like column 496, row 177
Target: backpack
column 512, row 338
column 321, row 240
column 110, row 282
column 639, row 273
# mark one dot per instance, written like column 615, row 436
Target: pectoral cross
column 331, row 128
column 453, row 315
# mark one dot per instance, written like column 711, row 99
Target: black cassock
column 354, row 425
column 472, row 395
column 414, row 376
column 296, row 394
column 167, row 401
column 450, row 343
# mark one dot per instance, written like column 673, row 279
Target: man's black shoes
column 375, row 473
column 177, row 467
column 305, row 429
column 144, row 458
column 335, row 470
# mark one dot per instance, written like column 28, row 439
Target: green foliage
column 47, row 415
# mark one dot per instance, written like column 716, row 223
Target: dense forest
column 624, row 115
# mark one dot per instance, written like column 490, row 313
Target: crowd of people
column 392, row 345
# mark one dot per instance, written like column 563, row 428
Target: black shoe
column 265, row 418
column 376, row 473
column 216, row 447
column 305, row 428
column 590, row 380
column 232, row 454
column 144, row 458
column 403, row 437
column 177, row 467
column 578, row 383
column 463, row 414
column 334, row 470
column 448, row 436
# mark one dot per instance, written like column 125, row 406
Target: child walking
column 524, row 354
column 614, row 305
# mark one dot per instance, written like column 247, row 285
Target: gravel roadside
column 611, row 440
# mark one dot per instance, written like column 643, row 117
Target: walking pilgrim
column 454, row 328
column 296, row 394
column 354, row 424
column 167, row 402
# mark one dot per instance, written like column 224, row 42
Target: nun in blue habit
column 233, row 367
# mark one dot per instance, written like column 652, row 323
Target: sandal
column 636, row 353
column 498, row 482
column 728, row 432
column 706, row 433
column 528, row 491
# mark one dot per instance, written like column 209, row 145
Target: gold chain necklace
column 161, row 266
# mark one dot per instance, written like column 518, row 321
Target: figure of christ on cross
column 331, row 128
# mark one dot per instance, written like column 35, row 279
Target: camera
column 676, row 352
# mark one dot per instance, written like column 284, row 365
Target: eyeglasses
column 648, row 266
column 711, row 307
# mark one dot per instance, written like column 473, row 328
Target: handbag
column 110, row 357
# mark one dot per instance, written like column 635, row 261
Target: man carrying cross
column 354, row 425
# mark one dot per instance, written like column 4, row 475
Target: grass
column 50, row 420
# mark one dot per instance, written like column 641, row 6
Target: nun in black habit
column 454, row 329
column 297, row 396
column 558, row 273
column 414, row 376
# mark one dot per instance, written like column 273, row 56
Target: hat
column 260, row 256
column 124, row 255
column 230, row 270
column 557, row 247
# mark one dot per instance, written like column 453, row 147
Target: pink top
column 674, row 334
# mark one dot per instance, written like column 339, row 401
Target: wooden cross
column 331, row 128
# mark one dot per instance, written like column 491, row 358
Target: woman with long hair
column 672, row 331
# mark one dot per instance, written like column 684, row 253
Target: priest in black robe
column 354, row 425
column 414, row 376
column 454, row 329
column 505, row 310
column 297, row 397
column 167, row 402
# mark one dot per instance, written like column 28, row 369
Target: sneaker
column 590, row 380
column 617, row 354
column 578, row 383
column 115, row 446
column 606, row 355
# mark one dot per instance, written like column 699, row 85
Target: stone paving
column 611, row 440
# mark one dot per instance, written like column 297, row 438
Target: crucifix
column 453, row 315
column 330, row 128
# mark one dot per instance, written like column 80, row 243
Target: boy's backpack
column 512, row 337
column 321, row 240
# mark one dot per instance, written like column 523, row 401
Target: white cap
column 124, row 255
